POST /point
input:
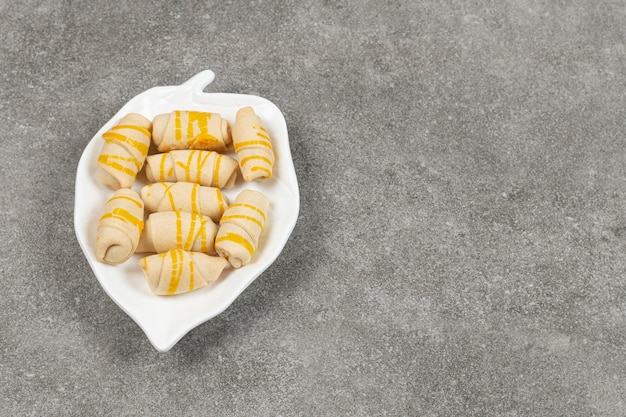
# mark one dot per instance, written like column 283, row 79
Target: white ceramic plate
column 166, row 319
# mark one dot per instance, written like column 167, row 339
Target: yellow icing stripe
column 191, row 118
column 107, row 161
column 216, row 170
column 268, row 173
column 170, row 196
column 129, row 159
column 191, row 277
column 116, row 137
column 204, row 139
column 194, row 198
column 188, row 166
column 162, row 167
column 177, row 271
column 261, row 135
column 133, row 127
column 203, row 242
column 250, row 143
column 179, row 230
column 123, row 215
column 250, row 206
column 241, row 216
column 178, row 134
column 192, row 230
column 201, row 120
column 220, row 200
column 253, row 157
column 125, row 197
column 201, row 160
column 238, row 239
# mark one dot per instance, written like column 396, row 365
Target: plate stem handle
column 199, row 82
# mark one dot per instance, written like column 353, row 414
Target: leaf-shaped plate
column 166, row 319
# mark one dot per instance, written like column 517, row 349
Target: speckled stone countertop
column 460, row 246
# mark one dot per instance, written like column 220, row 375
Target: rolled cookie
column 253, row 146
column 119, row 227
column 178, row 271
column 124, row 151
column 182, row 129
column 178, row 230
column 201, row 167
column 184, row 196
column 240, row 227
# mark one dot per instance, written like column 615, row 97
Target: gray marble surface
column 460, row 245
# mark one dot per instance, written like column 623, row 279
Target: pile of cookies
column 181, row 220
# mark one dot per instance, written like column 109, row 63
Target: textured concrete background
column 460, row 245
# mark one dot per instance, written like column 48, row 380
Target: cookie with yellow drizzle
column 119, row 227
column 178, row 230
column 206, row 168
column 253, row 145
column 178, row 271
column 184, row 129
column 124, row 151
column 241, row 226
column 184, row 196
